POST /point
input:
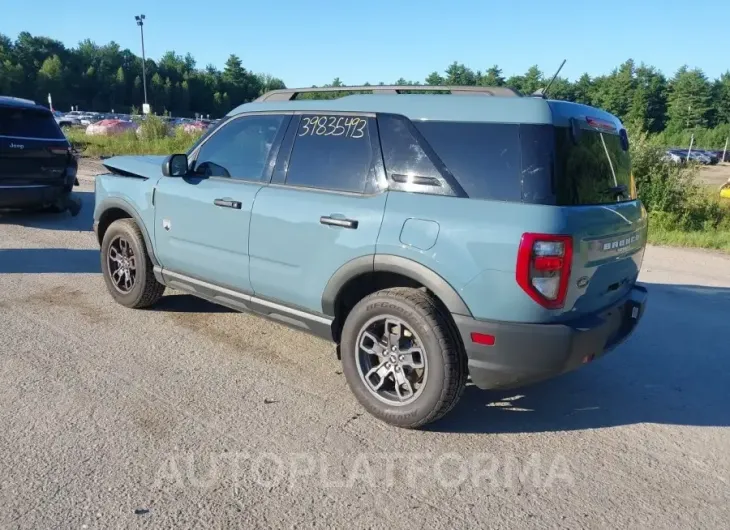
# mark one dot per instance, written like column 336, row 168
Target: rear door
column 594, row 184
column 33, row 150
column 323, row 208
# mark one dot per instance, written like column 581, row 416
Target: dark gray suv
column 37, row 163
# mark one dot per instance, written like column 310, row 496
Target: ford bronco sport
column 434, row 237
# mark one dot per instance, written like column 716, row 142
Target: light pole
column 140, row 23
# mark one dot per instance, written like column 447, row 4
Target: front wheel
column 401, row 357
column 126, row 266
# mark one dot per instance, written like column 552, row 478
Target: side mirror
column 175, row 165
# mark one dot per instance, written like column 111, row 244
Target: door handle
column 227, row 203
column 338, row 221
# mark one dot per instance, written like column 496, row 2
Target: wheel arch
column 114, row 208
column 366, row 266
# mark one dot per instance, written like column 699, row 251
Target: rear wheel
column 401, row 357
column 61, row 204
column 126, row 266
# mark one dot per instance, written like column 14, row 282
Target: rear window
column 592, row 167
column 28, row 123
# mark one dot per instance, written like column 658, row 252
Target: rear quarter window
column 484, row 158
column 29, row 123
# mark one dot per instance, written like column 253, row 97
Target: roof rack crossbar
column 288, row 94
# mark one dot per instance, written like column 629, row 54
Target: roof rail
column 288, row 94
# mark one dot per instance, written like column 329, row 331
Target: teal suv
column 435, row 237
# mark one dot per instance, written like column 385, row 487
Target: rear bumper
column 526, row 353
column 28, row 196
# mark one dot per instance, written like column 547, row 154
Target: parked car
column 673, row 157
column 698, row 157
column 712, row 157
column 37, row 164
column 109, row 127
column 433, row 237
column 192, row 127
column 64, row 120
column 89, row 118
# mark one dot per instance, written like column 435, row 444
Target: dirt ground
column 715, row 175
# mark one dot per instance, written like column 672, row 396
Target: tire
column 59, row 205
column 445, row 360
column 144, row 290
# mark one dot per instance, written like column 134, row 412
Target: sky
column 310, row 42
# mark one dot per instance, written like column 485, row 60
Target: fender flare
column 117, row 202
column 395, row 264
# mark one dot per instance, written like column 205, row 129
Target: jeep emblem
column 17, row 146
column 582, row 281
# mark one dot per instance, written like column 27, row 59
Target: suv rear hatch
column 594, row 184
column 33, row 150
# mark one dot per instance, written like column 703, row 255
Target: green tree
column 434, row 79
column 689, row 100
column 241, row 85
column 721, row 90
column 137, row 91
column 119, row 92
column 184, row 103
column 582, row 90
column 492, row 77
column 49, row 80
column 157, row 94
column 649, row 101
column 459, row 75
column 529, row 83
column 268, row 82
column 615, row 92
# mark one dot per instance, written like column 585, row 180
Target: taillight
column 543, row 268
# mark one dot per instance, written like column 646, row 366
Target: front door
column 202, row 220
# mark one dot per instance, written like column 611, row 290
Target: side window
column 484, row 157
column 405, row 160
column 332, row 153
column 240, row 148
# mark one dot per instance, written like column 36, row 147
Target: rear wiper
column 618, row 191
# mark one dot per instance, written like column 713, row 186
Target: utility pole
column 691, row 143
column 724, row 151
column 140, row 23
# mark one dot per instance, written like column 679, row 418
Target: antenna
column 544, row 90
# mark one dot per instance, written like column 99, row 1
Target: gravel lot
column 190, row 415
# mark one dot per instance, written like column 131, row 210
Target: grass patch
column 129, row 143
column 696, row 239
